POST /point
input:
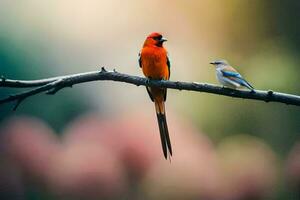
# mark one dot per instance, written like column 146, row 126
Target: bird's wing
column 169, row 65
column 169, row 69
column 140, row 60
column 230, row 73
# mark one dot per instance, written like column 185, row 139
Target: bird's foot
column 148, row 80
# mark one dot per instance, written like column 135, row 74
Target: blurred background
column 100, row 140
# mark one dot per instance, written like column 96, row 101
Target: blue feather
column 243, row 82
column 237, row 78
column 231, row 74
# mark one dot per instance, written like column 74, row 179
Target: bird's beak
column 212, row 63
column 163, row 40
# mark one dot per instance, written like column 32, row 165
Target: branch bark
column 53, row 85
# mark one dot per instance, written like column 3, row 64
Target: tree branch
column 53, row 85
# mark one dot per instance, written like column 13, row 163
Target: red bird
column 154, row 61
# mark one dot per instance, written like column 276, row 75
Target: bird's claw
column 148, row 80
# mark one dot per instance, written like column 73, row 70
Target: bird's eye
column 157, row 37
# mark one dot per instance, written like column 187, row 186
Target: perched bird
column 154, row 61
column 228, row 76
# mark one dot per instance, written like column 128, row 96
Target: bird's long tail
column 163, row 128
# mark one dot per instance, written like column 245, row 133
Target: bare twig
column 53, row 85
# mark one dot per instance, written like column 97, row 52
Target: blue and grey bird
column 228, row 76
